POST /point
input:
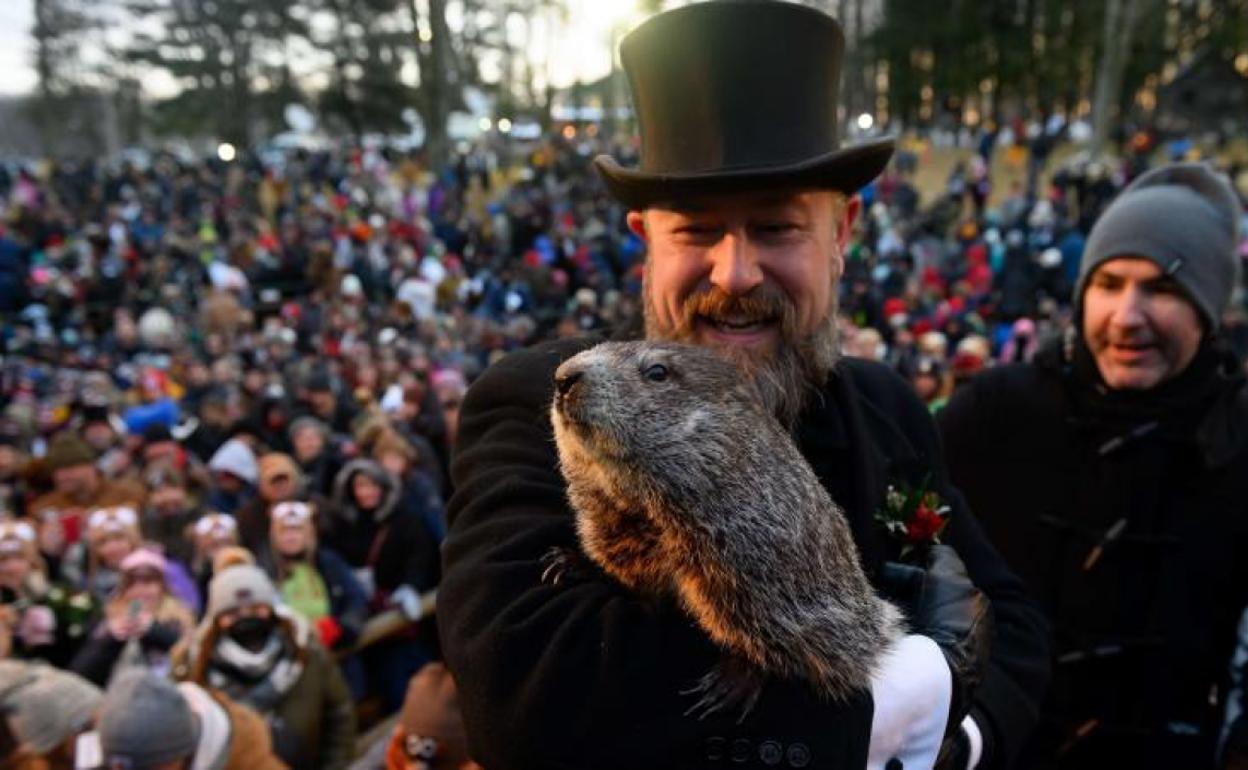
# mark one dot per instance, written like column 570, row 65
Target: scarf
column 259, row 679
column 1186, row 410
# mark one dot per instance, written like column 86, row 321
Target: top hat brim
column 846, row 170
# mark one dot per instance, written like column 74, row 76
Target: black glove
column 944, row 605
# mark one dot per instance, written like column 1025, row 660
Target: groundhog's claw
column 559, row 561
column 733, row 684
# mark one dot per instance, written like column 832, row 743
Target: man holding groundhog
column 745, row 199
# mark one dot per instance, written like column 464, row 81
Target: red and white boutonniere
column 913, row 516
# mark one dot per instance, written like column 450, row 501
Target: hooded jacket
column 391, row 541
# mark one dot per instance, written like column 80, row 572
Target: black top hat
column 735, row 95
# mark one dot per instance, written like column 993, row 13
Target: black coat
column 586, row 674
column 1133, row 538
column 392, row 540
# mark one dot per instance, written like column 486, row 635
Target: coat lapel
column 848, row 460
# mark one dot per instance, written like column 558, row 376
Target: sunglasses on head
column 216, row 522
column 18, row 530
column 112, row 518
column 292, row 512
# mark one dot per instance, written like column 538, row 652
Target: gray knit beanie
column 45, row 706
column 145, row 722
column 237, row 586
column 1182, row 217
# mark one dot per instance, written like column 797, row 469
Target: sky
column 17, row 76
column 581, row 51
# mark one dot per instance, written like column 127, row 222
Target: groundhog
column 684, row 483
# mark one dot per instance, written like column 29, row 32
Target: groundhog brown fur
column 685, row 484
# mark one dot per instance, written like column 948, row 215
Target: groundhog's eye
column 655, row 373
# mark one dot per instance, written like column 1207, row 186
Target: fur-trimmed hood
column 392, row 489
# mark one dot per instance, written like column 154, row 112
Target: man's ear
column 637, row 223
column 845, row 226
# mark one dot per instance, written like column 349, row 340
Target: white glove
column 912, row 689
column 407, row 601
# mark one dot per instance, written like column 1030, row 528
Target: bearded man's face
column 753, row 275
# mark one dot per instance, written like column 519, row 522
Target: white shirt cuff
column 975, row 739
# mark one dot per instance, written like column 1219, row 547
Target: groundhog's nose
column 565, row 381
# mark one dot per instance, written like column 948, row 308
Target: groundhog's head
column 658, row 408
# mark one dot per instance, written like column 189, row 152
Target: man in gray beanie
column 1110, row 473
column 1183, row 218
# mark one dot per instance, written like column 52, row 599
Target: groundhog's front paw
column 562, row 562
column 734, row 684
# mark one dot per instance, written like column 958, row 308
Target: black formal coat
column 1126, row 518
column 585, row 674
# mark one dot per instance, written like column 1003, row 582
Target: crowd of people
column 230, row 396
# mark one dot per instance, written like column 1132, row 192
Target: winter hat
column 235, row 457
column 45, row 705
column 308, row 421
column 431, row 724
column 156, row 433
column 68, row 450
column 144, row 558
column 145, row 722
column 237, row 586
column 319, row 381
column 1185, row 219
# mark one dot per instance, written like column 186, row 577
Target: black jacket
column 586, row 674
column 1127, row 523
column 391, row 540
column 99, row 654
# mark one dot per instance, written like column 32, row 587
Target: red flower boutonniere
column 913, row 516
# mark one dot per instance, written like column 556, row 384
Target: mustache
column 764, row 303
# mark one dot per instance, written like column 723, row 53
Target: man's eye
column 695, row 230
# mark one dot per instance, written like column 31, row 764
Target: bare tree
column 1119, row 22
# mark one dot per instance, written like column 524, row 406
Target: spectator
column 267, row 658
column 315, row 454
column 79, row 489
column 235, row 473
column 211, row 533
column 394, row 453
column 1103, row 471
column 172, row 508
column 142, row 623
column 396, row 559
column 38, row 618
column 145, row 721
column 46, row 709
column 313, row 580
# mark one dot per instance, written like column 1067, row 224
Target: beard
column 787, row 377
